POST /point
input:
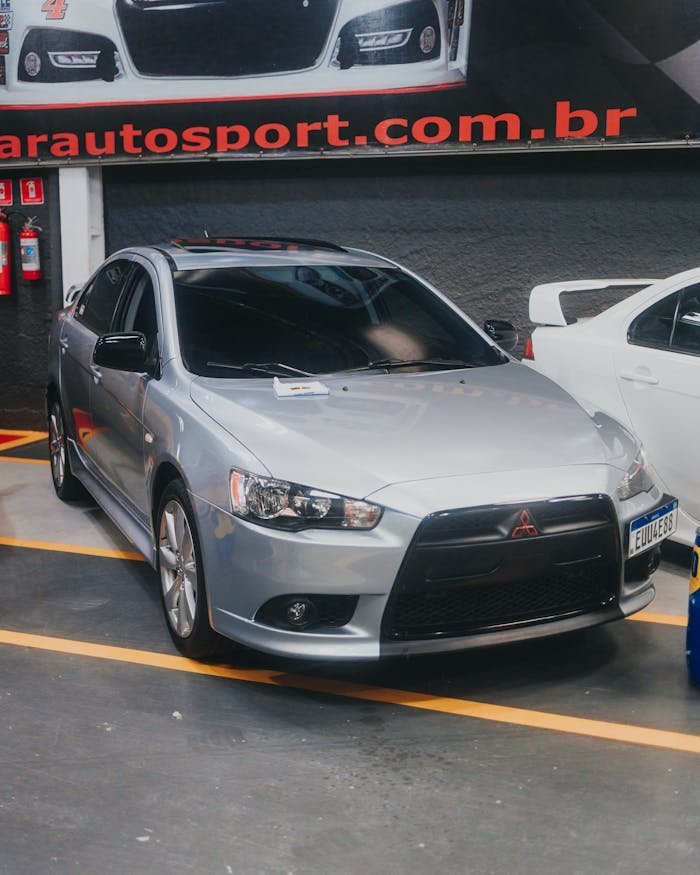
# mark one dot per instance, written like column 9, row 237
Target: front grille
column 225, row 38
column 464, row 572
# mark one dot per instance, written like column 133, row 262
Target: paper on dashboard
column 299, row 389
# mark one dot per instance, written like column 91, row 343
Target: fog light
column 427, row 40
column 79, row 60
column 51, row 54
column 385, row 39
column 642, row 566
column 403, row 33
column 654, row 561
column 32, row 64
column 300, row 613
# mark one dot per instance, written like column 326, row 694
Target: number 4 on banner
column 55, row 9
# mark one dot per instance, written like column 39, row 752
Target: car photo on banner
column 135, row 50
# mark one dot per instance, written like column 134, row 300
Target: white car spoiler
column 545, row 306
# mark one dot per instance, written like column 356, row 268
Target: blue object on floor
column 692, row 647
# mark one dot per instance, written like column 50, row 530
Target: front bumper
column 246, row 566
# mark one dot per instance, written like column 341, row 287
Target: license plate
column 652, row 528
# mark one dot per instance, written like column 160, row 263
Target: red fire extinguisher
column 29, row 250
column 5, row 271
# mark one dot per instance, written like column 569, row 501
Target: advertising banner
column 126, row 80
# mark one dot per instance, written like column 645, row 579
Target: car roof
column 207, row 252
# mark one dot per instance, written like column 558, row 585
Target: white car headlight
column 637, row 478
column 285, row 505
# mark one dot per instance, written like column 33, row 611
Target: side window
column 686, row 332
column 137, row 311
column 653, row 327
column 97, row 307
column 81, row 301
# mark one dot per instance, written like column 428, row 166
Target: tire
column 183, row 591
column 67, row 486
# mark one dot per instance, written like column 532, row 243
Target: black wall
column 484, row 229
column 25, row 315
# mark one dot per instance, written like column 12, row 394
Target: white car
column 135, row 50
column 638, row 361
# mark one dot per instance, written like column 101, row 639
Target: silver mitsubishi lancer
column 322, row 456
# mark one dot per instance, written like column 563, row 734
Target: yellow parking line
column 24, row 461
column 72, row 548
column 23, row 437
column 619, row 732
column 665, row 619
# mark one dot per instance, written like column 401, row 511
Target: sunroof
column 256, row 244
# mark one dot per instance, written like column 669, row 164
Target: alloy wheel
column 178, row 568
column 57, row 446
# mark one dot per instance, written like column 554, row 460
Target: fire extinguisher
column 5, row 266
column 29, row 250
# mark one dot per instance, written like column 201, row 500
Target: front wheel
column 181, row 575
column 66, row 485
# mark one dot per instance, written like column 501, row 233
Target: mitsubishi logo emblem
column 526, row 527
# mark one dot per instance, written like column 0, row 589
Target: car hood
column 374, row 430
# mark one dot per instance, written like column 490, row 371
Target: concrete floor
column 118, row 756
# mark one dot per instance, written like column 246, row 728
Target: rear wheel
column 181, row 575
column 66, row 485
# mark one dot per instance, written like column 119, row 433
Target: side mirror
column 505, row 334
column 71, row 295
column 123, row 352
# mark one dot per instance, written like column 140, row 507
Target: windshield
column 294, row 319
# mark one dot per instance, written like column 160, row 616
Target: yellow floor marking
column 24, row 461
column 665, row 619
column 72, row 548
column 620, row 732
column 23, row 437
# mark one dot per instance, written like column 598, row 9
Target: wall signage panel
column 31, row 192
column 6, row 199
column 108, row 80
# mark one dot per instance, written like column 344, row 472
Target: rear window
column 316, row 319
column 654, row 326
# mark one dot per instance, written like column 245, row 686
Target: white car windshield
column 292, row 319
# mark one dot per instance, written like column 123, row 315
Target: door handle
column 637, row 377
column 96, row 373
column 63, row 343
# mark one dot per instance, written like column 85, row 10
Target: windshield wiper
column 272, row 369
column 404, row 363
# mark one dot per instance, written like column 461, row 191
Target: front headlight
column 285, row 505
column 637, row 478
